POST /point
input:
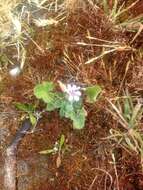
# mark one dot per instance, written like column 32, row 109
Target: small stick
column 10, row 157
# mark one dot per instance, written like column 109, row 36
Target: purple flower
column 73, row 92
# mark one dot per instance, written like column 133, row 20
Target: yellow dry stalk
column 6, row 8
column 71, row 5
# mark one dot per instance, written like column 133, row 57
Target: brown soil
column 89, row 163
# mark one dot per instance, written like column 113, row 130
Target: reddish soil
column 89, row 162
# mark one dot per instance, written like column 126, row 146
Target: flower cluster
column 73, row 92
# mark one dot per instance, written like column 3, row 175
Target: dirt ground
column 92, row 161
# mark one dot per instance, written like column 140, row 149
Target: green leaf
column 69, row 109
column 55, row 104
column 76, row 113
column 44, row 91
column 135, row 114
column 79, row 119
column 24, row 107
column 51, row 106
column 33, row 119
column 114, row 9
column 66, row 109
column 49, row 151
column 127, row 109
column 92, row 93
column 62, row 141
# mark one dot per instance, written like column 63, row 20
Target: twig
column 111, row 180
column 116, row 174
column 90, row 187
column 10, row 157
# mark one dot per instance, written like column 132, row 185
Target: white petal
column 69, row 87
column 78, row 87
column 78, row 93
column 70, row 98
column 76, row 98
column 74, row 87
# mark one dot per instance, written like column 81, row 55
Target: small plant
column 59, row 148
column 129, row 115
column 30, row 111
column 69, row 100
column 116, row 10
